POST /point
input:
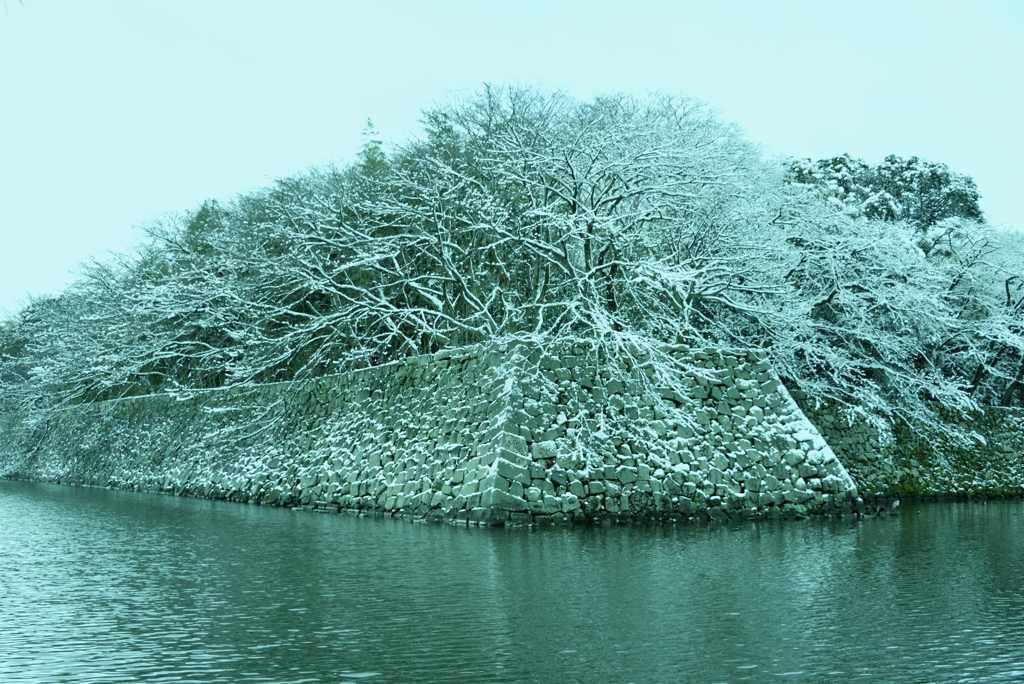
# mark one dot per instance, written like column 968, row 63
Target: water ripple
column 101, row 586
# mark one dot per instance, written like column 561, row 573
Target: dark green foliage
column 373, row 161
column 917, row 191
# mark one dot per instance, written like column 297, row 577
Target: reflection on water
column 109, row 586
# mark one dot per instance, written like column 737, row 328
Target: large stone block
column 513, row 443
column 496, row 498
column 486, row 515
column 626, row 474
column 570, row 502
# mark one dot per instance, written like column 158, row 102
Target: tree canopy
column 522, row 213
column 922, row 193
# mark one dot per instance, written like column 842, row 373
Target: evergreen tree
column 920, row 192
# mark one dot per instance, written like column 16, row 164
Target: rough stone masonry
column 499, row 433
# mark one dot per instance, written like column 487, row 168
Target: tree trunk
column 1012, row 388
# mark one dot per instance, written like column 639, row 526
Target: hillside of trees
column 530, row 214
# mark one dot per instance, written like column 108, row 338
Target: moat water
column 108, row 586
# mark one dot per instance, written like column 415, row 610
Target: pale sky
column 114, row 112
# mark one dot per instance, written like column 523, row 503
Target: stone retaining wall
column 501, row 433
column 888, row 462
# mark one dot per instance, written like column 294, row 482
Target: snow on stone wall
column 890, row 463
column 483, row 434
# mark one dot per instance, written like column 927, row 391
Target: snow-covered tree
column 530, row 214
column 921, row 192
